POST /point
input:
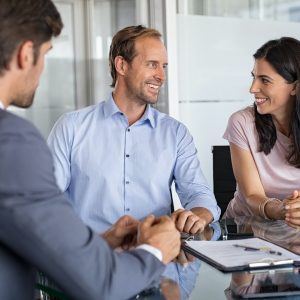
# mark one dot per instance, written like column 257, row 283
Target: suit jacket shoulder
column 27, row 165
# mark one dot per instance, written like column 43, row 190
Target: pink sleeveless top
column 278, row 177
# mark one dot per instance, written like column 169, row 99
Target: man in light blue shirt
column 121, row 156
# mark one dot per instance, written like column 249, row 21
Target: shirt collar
column 110, row 108
column 2, row 105
column 148, row 115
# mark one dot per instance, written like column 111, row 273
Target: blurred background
column 210, row 45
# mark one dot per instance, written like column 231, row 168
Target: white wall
column 214, row 72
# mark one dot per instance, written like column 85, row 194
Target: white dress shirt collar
column 2, row 105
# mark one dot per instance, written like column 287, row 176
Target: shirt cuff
column 217, row 231
column 154, row 251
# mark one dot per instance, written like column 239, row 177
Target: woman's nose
column 254, row 88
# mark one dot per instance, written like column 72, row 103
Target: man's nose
column 160, row 74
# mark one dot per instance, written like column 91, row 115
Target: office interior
column 210, row 45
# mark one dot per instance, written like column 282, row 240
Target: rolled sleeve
column 60, row 143
column 190, row 182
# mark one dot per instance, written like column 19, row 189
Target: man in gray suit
column 38, row 228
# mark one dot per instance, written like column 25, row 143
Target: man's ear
column 25, row 57
column 120, row 65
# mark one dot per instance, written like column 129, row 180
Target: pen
column 249, row 248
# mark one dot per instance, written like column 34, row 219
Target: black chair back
column 223, row 178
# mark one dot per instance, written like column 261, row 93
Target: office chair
column 223, row 178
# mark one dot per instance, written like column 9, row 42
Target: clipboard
column 227, row 257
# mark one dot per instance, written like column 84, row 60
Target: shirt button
column 128, row 129
column 127, row 209
column 127, row 182
column 127, row 155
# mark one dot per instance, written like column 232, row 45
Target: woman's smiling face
column 273, row 94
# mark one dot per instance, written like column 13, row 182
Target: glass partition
column 56, row 93
column 109, row 17
column 276, row 10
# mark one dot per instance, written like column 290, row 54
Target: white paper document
column 242, row 254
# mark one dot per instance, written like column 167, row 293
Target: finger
column 292, row 204
column 293, row 213
column 125, row 225
column 198, row 227
column 129, row 241
column 190, row 222
column 122, row 222
column 182, row 218
column 147, row 222
column 129, row 220
column 133, row 241
column 163, row 221
column 294, row 195
column 128, row 230
column 293, row 224
column 175, row 214
column 182, row 259
column 293, row 220
column 190, row 257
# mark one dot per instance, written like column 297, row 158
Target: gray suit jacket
column 39, row 228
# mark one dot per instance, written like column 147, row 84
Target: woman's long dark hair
column 284, row 55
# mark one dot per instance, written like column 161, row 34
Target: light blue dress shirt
column 109, row 168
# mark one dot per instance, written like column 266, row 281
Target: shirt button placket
column 127, row 156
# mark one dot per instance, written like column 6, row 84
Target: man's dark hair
column 26, row 20
column 123, row 45
column 284, row 56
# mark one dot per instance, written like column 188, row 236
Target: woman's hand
column 292, row 207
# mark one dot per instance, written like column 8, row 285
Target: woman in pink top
column 265, row 138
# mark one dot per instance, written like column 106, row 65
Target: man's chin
column 148, row 98
column 23, row 104
column 152, row 100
